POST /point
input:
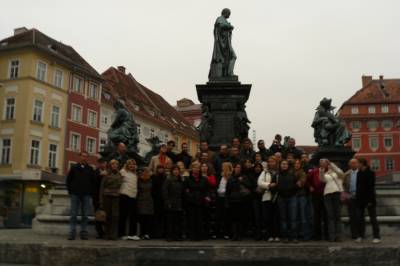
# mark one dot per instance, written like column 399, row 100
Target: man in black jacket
column 366, row 197
column 184, row 156
column 265, row 153
column 80, row 185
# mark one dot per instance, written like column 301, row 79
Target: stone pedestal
column 53, row 217
column 339, row 155
column 225, row 102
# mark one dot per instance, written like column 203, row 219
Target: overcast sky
column 293, row 52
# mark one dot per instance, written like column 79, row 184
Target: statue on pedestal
column 223, row 57
column 329, row 130
column 124, row 128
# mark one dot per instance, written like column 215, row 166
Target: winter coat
column 145, row 204
column 81, row 180
column 195, row 190
column 172, row 192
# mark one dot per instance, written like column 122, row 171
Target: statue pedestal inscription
column 224, row 115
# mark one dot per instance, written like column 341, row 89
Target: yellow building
column 35, row 73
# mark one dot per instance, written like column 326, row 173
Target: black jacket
column 366, row 193
column 235, row 189
column 195, row 190
column 173, row 193
column 81, row 180
column 185, row 158
column 157, row 181
column 286, row 184
column 172, row 156
column 265, row 153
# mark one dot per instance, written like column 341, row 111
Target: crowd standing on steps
column 272, row 194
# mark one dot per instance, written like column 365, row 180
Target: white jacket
column 264, row 180
column 129, row 183
column 333, row 179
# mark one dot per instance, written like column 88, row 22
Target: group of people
column 274, row 194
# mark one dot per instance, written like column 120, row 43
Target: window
column 14, row 69
column 385, row 108
column 55, row 116
column 92, row 119
column 5, row 151
column 375, row 164
column 388, row 142
column 372, row 125
column 354, row 110
column 138, row 129
column 9, row 113
column 91, row 145
column 371, row 109
column 75, row 142
column 76, row 113
column 103, row 142
column 152, row 133
column 93, row 91
column 37, row 111
column 355, row 125
column 34, row 153
column 387, row 124
column 389, row 162
column 53, row 155
column 356, row 143
column 77, row 85
column 58, row 78
column 373, row 142
column 41, row 71
column 104, row 119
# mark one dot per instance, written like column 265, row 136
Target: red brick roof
column 151, row 105
column 36, row 39
column 377, row 91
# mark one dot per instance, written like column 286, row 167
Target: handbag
column 100, row 216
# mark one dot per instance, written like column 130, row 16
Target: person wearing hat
column 160, row 159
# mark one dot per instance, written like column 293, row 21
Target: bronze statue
column 206, row 126
column 242, row 122
column 329, row 130
column 124, row 128
column 223, row 57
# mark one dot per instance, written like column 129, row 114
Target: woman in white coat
column 332, row 176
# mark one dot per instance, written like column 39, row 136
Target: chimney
column 365, row 80
column 121, row 68
column 20, row 30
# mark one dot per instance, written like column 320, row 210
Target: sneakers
column 358, row 240
column 146, row 237
column 135, row 238
column 376, row 240
column 125, row 238
column 270, row 239
column 226, row 237
column 277, row 239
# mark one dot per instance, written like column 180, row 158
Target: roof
column 36, row 39
column 152, row 106
column 377, row 91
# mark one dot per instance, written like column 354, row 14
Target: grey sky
column 293, row 52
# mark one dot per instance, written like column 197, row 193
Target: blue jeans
column 288, row 215
column 304, row 212
column 82, row 201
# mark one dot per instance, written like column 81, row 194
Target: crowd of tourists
column 272, row 194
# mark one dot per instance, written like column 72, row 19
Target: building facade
column 189, row 110
column 372, row 114
column 153, row 115
column 36, row 74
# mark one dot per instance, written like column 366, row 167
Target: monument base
column 53, row 217
column 224, row 102
column 338, row 155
